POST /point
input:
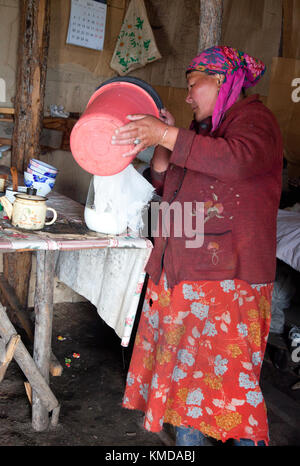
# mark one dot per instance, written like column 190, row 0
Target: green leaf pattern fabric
column 136, row 44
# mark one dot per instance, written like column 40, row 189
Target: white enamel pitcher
column 28, row 211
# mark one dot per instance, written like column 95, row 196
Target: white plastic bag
column 116, row 202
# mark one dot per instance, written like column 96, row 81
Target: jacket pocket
column 215, row 254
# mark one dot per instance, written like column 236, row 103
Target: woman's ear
column 220, row 78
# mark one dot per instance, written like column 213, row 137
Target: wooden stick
column 14, row 175
column 3, row 368
column 28, row 391
column 26, row 363
column 11, row 348
column 56, row 368
column 10, row 351
column 55, row 416
column 7, row 110
column 43, row 306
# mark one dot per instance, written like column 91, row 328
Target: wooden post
column 43, row 306
column 31, row 78
column 210, row 27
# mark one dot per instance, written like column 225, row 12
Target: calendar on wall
column 87, row 23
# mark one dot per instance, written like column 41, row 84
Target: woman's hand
column 143, row 131
column 167, row 117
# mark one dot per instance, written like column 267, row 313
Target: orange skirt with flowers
column 198, row 355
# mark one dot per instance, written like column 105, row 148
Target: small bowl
column 43, row 166
column 37, row 171
column 34, row 178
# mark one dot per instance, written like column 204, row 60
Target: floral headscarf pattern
column 239, row 68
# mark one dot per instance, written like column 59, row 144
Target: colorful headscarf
column 240, row 70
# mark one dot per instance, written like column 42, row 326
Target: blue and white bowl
column 43, row 184
column 37, row 171
column 42, row 167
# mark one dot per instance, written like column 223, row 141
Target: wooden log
column 2, row 350
column 5, row 141
column 26, row 364
column 55, row 416
column 11, row 347
column 43, row 306
column 28, row 390
column 10, row 351
column 11, row 300
column 30, row 80
column 56, row 368
column 210, row 27
column 7, row 110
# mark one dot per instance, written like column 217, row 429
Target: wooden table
column 68, row 233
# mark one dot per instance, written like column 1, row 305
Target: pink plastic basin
column 90, row 139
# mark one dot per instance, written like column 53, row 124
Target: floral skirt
column 197, row 358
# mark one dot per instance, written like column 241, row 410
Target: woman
column 205, row 321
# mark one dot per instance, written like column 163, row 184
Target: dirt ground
column 90, row 392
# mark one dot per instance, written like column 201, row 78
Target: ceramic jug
column 28, row 211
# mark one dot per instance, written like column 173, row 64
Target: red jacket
column 236, row 172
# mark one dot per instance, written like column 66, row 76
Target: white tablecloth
column 111, row 279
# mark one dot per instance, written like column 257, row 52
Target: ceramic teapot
column 28, row 211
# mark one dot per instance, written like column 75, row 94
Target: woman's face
column 203, row 93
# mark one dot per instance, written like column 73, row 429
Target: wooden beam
column 5, row 141
column 31, row 79
column 210, row 27
column 7, row 110
column 28, row 390
column 43, row 306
